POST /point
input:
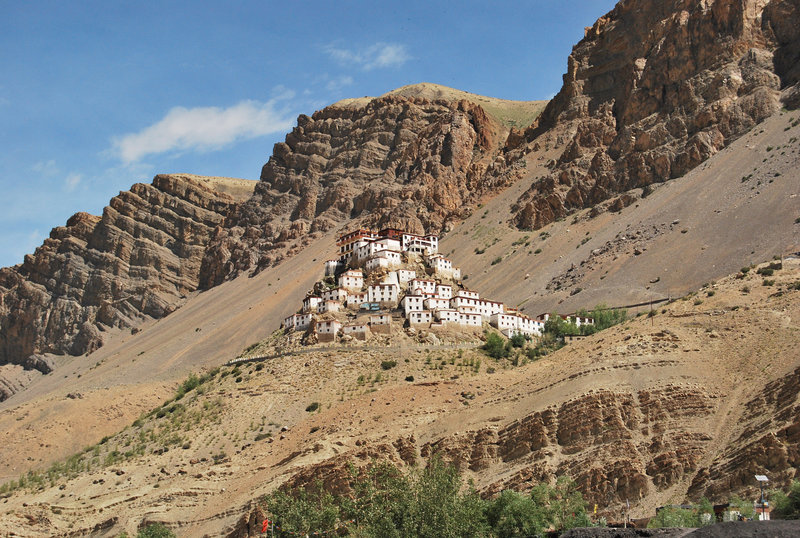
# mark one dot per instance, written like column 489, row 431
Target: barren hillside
column 668, row 161
column 656, row 410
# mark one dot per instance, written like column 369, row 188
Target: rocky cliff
column 136, row 261
column 656, row 88
column 400, row 160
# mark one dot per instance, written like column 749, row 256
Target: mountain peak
column 509, row 112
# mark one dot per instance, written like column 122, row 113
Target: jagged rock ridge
column 656, row 88
column 397, row 160
column 136, row 261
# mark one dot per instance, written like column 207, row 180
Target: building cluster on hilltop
column 392, row 273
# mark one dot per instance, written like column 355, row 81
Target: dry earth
column 664, row 397
column 638, row 254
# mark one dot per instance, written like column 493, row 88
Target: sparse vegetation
column 313, row 406
column 496, row 346
column 155, row 530
column 388, row 365
column 428, row 501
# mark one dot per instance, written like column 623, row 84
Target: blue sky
column 96, row 96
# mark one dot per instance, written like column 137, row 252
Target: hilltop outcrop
column 401, row 161
column 656, row 88
column 137, row 261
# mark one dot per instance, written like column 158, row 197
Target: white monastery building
column 371, row 275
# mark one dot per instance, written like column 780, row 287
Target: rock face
column 770, row 440
column 656, row 88
column 137, row 261
column 394, row 160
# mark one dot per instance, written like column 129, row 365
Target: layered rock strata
column 656, row 88
column 136, row 261
column 403, row 161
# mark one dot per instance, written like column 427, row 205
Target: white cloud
column 72, row 181
column 204, row 128
column 339, row 82
column 46, row 168
column 375, row 56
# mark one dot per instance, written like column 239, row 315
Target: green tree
column 304, row 511
column 705, row 512
column 744, row 507
column 787, row 506
column 495, row 346
column 673, row 516
column 559, row 327
column 513, row 515
column 155, row 530
column 518, row 340
column 603, row 316
column 563, row 504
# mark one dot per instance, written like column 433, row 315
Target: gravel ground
column 735, row 529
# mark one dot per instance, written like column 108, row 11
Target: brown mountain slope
column 655, row 89
column 416, row 158
column 234, row 315
column 136, row 262
column 651, row 411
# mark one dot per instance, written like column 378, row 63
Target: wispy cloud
column 339, row 82
column 204, row 128
column 72, row 181
column 375, row 56
column 46, row 168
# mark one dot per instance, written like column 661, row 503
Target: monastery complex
column 396, row 278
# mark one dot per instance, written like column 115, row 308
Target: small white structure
column 385, row 259
column 443, row 266
column 355, row 300
column 421, row 286
column 347, row 242
column 327, row 330
column 578, row 320
column 382, row 318
column 380, row 322
column 412, row 303
column 448, row 316
column 329, row 306
column 511, row 324
column 359, row 331
column 432, row 303
column 334, row 294
column 297, row 322
column 484, row 307
column 404, row 276
column 332, row 267
column 419, row 317
column 382, row 293
column 571, row 318
column 352, row 279
column 443, row 291
column 366, row 249
column 311, row 303
column 418, row 244
column 470, row 320
column 467, row 294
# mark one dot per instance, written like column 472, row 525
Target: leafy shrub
column 497, row 260
column 674, row 517
column 495, row 346
column 518, row 340
column 155, row 530
column 313, row 406
column 410, row 378
column 787, row 506
column 388, row 365
column 765, row 271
